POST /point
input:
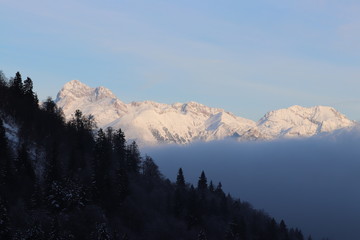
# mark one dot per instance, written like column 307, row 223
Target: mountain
column 149, row 122
column 297, row 121
column 63, row 180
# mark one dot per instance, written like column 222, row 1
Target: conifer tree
column 180, row 195
column 211, row 187
column 150, row 169
column 133, row 159
column 180, row 180
column 219, row 190
column 119, row 145
column 17, row 84
column 102, row 164
column 202, row 183
column 28, row 92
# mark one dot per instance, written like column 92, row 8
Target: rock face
column 155, row 123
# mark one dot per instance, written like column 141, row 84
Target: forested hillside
column 70, row 180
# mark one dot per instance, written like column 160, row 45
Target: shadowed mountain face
column 152, row 123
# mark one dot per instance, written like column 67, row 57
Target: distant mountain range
column 151, row 123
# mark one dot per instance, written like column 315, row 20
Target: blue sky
column 247, row 57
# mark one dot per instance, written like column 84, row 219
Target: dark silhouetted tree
column 119, row 145
column 211, row 187
column 16, row 85
column 180, row 180
column 202, row 183
column 133, row 158
column 150, row 169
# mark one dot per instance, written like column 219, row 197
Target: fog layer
column 313, row 184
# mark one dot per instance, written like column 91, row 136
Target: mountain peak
column 302, row 121
column 150, row 122
column 75, row 84
column 102, row 92
column 73, row 89
column 76, row 89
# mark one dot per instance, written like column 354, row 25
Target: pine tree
column 150, row 169
column 180, row 180
column 133, row 158
column 202, row 183
column 102, row 166
column 17, row 84
column 219, row 190
column 28, row 92
column 283, row 230
column 119, row 145
column 211, row 187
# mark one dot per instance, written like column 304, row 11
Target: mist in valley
column 313, row 183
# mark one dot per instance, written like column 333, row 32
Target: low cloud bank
column 313, row 183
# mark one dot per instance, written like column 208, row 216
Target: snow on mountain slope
column 149, row 122
column 298, row 121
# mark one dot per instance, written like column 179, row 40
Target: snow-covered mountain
column 152, row 123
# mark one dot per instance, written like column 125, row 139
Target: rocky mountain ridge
column 152, row 123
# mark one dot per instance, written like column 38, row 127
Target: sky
column 248, row 57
